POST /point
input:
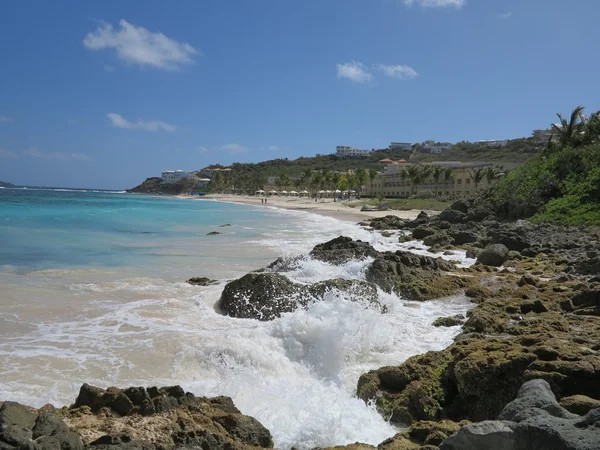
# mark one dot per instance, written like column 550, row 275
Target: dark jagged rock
column 449, row 321
column 422, row 232
column 225, row 225
column 461, row 205
column 387, row 223
column 579, row 404
column 452, row 216
column 213, row 233
column 342, row 250
column 534, row 420
column 265, row 296
column 201, row 281
column 493, row 255
column 437, row 239
column 415, row 277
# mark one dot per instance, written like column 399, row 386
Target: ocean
column 93, row 291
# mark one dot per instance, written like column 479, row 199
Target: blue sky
column 104, row 94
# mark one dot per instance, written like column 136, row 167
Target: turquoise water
column 50, row 229
column 92, row 290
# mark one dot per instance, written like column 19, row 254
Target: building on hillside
column 542, row 136
column 395, row 182
column 495, row 143
column 386, row 161
column 344, row 151
column 202, row 182
column 400, row 145
column 173, row 176
column 435, row 148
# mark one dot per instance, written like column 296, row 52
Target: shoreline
column 324, row 207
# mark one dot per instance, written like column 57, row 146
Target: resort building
column 542, row 136
column 395, row 182
column 344, row 151
column 496, row 143
column 400, row 145
column 173, row 176
column 435, row 148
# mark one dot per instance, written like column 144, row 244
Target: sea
column 93, row 290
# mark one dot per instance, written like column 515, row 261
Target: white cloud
column 233, row 148
column 399, row 71
column 355, row 71
column 137, row 45
column 505, row 16
column 275, row 148
column 7, row 154
column 6, row 118
column 154, row 125
column 108, row 68
column 35, row 153
column 436, row 3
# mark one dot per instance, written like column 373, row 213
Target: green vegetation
column 4, row 184
column 562, row 183
column 517, row 151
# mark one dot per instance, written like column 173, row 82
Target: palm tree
column 436, row 174
column 413, row 173
column 316, row 180
column 361, row 179
column 569, row 131
column 492, row 174
column 403, row 173
column 477, row 175
column 372, row 175
column 335, row 180
column 448, row 176
column 216, row 181
column 425, row 173
column 305, row 178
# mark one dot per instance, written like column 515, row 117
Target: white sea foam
column 296, row 374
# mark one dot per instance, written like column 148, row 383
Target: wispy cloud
column 109, row 68
column 6, row 118
column 37, row 154
column 436, row 3
column 355, row 71
column 137, row 45
column 119, row 121
column 400, row 72
column 233, row 148
column 505, row 16
column 275, row 148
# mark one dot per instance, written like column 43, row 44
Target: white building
column 542, row 136
column 435, row 148
column 173, row 176
column 400, row 145
column 344, row 151
column 497, row 143
column 202, row 182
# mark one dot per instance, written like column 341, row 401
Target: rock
column 478, row 214
column 473, row 252
column 97, row 399
column 452, row 215
column 440, row 239
column 535, row 306
column 533, row 396
column 463, row 237
column 510, row 238
column 263, row 296
column 449, row 321
column 493, row 255
column 201, row 281
column 579, row 404
column 213, row 233
column 51, row 432
column 513, row 254
column 415, row 277
column 246, row 429
column 16, row 424
column 488, row 435
column 225, row 225
column 460, row 205
column 422, row 232
column 387, row 223
column 342, row 250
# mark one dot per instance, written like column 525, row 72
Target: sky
column 104, row 94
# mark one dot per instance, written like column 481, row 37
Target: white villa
column 345, row 151
column 173, row 176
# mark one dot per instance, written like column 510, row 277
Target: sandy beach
column 325, row 207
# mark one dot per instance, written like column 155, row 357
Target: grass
column 405, row 204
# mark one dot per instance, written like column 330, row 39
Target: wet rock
column 463, row 237
column 16, row 424
column 201, row 281
column 387, row 223
column 357, row 290
column 342, row 250
column 461, row 205
column 263, row 296
column 493, row 255
column 473, row 252
column 449, row 321
column 415, row 277
column 225, row 225
column 478, row 214
column 97, row 398
column 246, row 429
column 488, row 435
column 437, row 239
column 213, row 233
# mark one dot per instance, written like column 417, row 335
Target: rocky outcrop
column 493, row 255
column 534, row 420
column 135, row 418
column 342, row 250
column 415, row 277
column 266, row 296
column 387, row 223
column 201, row 281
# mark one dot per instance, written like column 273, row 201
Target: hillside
column 517, row 151
column 4, row 184
column 154, row 185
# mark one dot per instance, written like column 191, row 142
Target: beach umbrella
column 321, row 192
column 273, row 192
column 284, row 192
column 293, row 193
column 260, row 191
column 337, row 191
